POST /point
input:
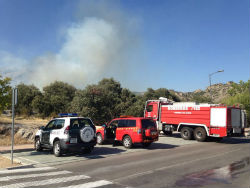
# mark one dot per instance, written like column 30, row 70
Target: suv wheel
column 187, row 133
column 57, row 149
column 38, row 146
column 99, row 139
column 127, row 142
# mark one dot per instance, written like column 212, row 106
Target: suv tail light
column 66, row 131
column 147, row 132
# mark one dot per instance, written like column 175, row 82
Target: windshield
column 148, row 123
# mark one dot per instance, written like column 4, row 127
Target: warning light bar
column 68, row 115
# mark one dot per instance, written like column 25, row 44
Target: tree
column 5, row 93
column 239, row 94
column 26, row 95
column 103, row 101
column 137, row 108
column 56, row 98
column 200, row 97
column 152, row 94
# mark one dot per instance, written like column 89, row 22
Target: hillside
column 219, row 92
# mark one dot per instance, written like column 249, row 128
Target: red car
column 129, row 130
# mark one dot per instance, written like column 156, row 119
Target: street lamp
column 210, row 75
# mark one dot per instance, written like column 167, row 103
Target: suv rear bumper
column 78, row 146
column 147, row 139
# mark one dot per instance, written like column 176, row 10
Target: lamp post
column 210, row 76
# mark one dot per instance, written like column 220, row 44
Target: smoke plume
column 95, row 46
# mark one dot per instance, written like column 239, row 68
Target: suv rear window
column 147, row 123
column 80, row 123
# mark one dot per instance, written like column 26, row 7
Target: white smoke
column 92, row 48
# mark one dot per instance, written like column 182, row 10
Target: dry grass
column 5, row 138
column 31, row 121
column 18, row 140
column 5, row 163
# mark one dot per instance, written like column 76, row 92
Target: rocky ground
column 25, row 129
column 218, row 91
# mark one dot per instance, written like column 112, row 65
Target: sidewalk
column 17, row 148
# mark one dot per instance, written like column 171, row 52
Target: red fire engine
column 198, row 120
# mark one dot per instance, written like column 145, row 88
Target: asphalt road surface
column 207, row 164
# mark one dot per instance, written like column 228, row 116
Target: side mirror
column 41, row 128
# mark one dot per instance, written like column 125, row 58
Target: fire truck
column 196, row 120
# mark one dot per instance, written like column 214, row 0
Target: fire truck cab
column 198, row 120
column 129, row 130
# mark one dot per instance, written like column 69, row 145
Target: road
column 207, row 164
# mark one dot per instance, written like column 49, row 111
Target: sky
column 172, row 44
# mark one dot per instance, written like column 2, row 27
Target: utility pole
column 14, row 102
column 210, row 84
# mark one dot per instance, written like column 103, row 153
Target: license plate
column 73, row 140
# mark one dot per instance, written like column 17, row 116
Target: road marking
column 7, row 178
column 28, row 160
column 171, row 166
column 91, row 184
column 26, row 170
column 46, row 182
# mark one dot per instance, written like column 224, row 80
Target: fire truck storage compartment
column 236, row 120
column 218, row 117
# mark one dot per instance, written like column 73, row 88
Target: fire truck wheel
column 99, row 139
column 187, row 133
column 168, row 133
column 127, row 142
column 200, row 134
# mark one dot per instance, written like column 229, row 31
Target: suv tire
column 99, row 139
column 187, row 133
column 57, row 150
column 127, row 142
column 200, row 134
column 38, row 146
